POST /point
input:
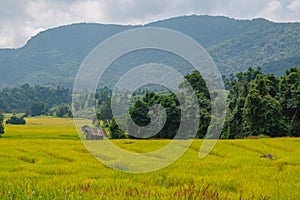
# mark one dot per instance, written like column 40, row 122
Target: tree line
column 36, row 100
column 258, row 105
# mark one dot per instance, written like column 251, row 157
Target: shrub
column 16, row 120
column 1, row 122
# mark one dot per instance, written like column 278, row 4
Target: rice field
column 45, row 159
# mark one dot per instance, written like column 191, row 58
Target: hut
column 93, row 133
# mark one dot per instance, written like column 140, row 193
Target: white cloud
column 294, row 6
column 21, row 19
column 272, row 11
column 90, row 11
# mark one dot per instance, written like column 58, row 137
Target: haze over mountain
column 53, row 57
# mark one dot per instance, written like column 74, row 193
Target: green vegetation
column 36, row 101
column 1, row 122
column 115, row 131
column 33, row 100
column 38, row 108
column 263, row 104
column 63, row 110
column 140, row 115
column 46, row 160
column 14, row 119
column 258, row 104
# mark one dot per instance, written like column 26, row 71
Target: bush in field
column 16, row 120
column 1, row 122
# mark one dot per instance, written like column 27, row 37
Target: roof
column 93, row 131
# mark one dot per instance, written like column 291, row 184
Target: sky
column 22, row 19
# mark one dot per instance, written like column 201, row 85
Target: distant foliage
column 24, row 98
column 16, row 120
column 38, row 108
column 103, row 103
column 263, row 104
column 63, row 110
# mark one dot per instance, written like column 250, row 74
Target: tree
column 233, row 125
column 105, row 110
column 262, row 112
column 38, row 108
column 295, row 124
column 1, row 122
column 169, row 120
column 171, row 105
column 64, row 110
column 254, row 107
column 115, row 131
column 198, row 84
column 289, row 97
column 262, row 115
column 139, row 114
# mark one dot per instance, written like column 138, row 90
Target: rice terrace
column 46, row 160
column 149, row 100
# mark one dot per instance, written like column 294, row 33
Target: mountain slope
column 53, row 57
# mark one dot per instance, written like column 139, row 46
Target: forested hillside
column 53, row 57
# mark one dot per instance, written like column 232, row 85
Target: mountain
column 53, row 57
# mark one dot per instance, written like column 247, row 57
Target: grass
column 45, row 159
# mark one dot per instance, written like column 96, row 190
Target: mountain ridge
column 52, row 57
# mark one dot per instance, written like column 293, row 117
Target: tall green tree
column 262, row 115
column 233, row 126
column 198, row 84
column 295, row 122
column 262, row 112
column 115, row 131
column 1, row 122
column 289, row 96
column 140, row 114
column 254, row 107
